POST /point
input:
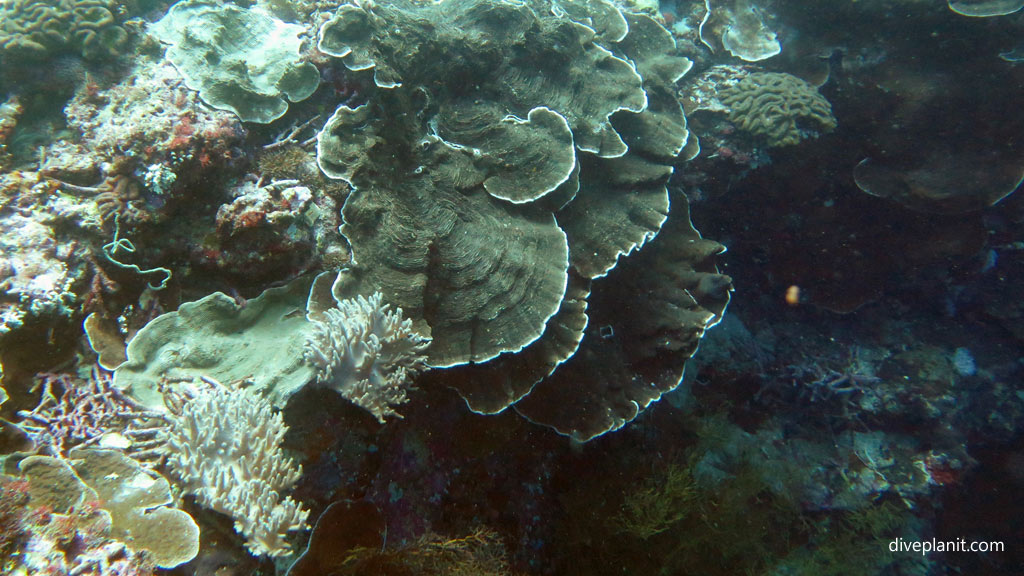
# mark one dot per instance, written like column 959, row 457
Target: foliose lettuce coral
column 225, row 447
column 367, row 352
column 742, row 28
column 627, row 359
column 241, row 60
column 464, row 152
column 44, row 28
column 985, row 8
column 509, row 157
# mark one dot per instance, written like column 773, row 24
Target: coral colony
column 298, row 287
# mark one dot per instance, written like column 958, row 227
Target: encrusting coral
column 225, row 448
column 260, row 342
column 513, row 203
column 367, row 352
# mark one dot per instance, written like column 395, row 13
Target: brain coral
column 773, row 105
column 509, row 156
column 42, row 28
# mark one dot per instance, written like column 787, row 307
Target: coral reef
column 225, row 448
column 487, row 205
column 777, row 108
column 241, row 60
column 45, row 28
column 367, row 353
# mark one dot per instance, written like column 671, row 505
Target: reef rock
column 35, row 279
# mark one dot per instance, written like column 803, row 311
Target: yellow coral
column 479, row 553
column 662, row 501
column 285, row 163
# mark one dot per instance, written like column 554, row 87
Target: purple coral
column 75, row 411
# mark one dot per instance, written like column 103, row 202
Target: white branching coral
column 367, row 352
column 225, row 447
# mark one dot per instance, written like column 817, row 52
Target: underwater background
column 474, row 287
